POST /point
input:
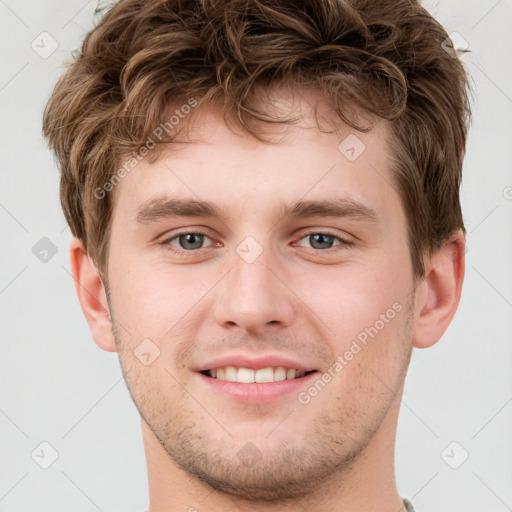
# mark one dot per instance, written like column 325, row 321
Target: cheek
column 352, row 297
column 150, row 298
column 365, row 311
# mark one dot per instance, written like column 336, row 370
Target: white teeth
column 280, row 373
column 231, row 373
column 247, row 375
column 264, row 375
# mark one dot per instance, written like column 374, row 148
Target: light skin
column 304, row 297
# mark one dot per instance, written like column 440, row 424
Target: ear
column 91, row 294
column 439, row 293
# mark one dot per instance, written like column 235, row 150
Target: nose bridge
column 252, row 296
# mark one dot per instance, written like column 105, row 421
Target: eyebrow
column 164, row 207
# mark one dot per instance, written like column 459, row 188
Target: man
column 264, row 198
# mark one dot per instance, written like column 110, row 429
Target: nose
column 255, row 297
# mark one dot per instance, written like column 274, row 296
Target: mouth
column 243, row 375
column 255, row 378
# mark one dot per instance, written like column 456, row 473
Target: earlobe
column 439, row 294
column 91, row 294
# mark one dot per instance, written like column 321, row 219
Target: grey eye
column 190, row 241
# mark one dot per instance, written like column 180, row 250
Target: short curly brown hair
column 388, row 58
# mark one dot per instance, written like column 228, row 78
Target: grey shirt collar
column 408, row 504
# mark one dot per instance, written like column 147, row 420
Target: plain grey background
column 454, row 443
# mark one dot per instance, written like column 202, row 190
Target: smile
column 249, row 375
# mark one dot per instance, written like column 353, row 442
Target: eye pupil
column 185, row 239
column 321, row 239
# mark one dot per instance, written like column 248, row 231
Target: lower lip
column 257, row 392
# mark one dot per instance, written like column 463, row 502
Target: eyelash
column 345, row 244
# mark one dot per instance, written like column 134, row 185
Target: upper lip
column 254, row 363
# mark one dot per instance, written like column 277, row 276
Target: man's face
column 256, row 289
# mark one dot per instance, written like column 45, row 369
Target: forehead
column 224, row 165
